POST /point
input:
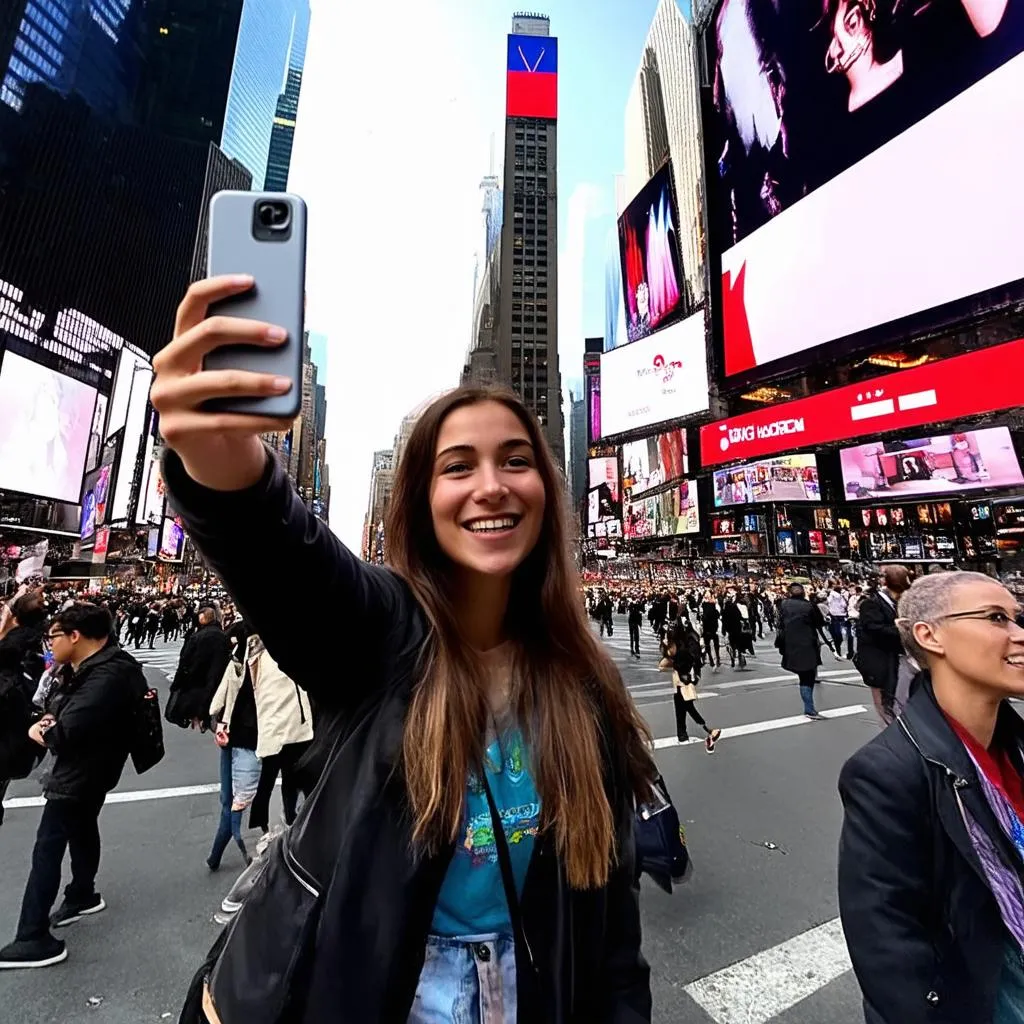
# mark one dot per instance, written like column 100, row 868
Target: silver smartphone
column 262, row 234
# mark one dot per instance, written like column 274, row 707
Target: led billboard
column 865, row 172
column 672, row 514
column 45, row 419
column 652, row 279
column 787, row 478
column 128, row 409
column 653, row 462
column 531, row 82
column 663, row 377
column 592, row 377
column 984, row 381
column 604, row 493
column 938, row 464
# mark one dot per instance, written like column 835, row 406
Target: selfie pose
column 468, row 855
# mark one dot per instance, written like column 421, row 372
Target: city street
column 752, row 938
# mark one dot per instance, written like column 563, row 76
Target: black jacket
column 201, row 664
column 800, row 625
column 360, row 890
column 21, row 665
column 93, row 732
column 710, row 617
column 921, row 923
column 878, row 643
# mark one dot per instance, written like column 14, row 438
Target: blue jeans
column 807, row 681
column 469, row 980
column 230, row 825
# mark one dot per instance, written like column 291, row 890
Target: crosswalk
column 163, row 657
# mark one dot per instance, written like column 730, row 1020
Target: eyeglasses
column 993, row 615
column 52, row 636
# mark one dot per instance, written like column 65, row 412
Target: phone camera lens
column 273, row 215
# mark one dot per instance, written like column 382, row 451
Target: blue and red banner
column 532, row 77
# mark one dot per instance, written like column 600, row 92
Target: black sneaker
column 34, row 953
column 69, row 913
column 712, row 740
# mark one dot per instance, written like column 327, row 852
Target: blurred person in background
column 931, row 855
column 201, row 664
column 839, row 619
column 879, row 646
column 799, row 639
column 492, row 735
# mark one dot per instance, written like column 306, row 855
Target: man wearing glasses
column 89, row 735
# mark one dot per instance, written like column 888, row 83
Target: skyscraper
column 663, row 121
column 271, row 33
column 527, row 329
column 282, row 135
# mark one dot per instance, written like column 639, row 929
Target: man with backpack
column 92, row 730
column 21, row 666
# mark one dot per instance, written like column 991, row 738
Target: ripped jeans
column 470, row 980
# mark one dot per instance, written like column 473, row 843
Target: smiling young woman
column 468, row 854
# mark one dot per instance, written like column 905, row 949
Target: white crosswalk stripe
column 163, row 658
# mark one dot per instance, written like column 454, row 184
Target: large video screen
column 653, row 462
column 603, row 490
column 45, row 418
column 172, row 540
column 128, row 409
column 96, row 490
column 970, row 460
column 865, row 169
column 671, row 514
column 663, row 377
column 652, row 280
column 787, row 478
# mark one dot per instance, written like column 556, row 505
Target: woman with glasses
column 931, row 858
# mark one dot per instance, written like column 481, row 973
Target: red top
column 996, row 765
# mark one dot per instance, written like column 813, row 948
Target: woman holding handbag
column 684, row 654
column 468, row 853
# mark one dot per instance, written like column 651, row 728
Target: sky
column 397, row 110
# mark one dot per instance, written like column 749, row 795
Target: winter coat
column 282, row 706
column 91, row 737
column 878, row 643
column 799, row 640
column 21, row 664
column 361, row 895
column 922, row 926
column 201, row 664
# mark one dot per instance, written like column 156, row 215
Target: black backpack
column 147, row 730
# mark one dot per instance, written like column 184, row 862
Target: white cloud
column 391, row 142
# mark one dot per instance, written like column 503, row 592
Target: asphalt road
column 749, row 939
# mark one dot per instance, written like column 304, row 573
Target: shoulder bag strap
column 507, row 878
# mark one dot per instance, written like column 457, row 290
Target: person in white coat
column 285, row 721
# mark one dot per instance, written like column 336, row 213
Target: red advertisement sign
column 967, row 385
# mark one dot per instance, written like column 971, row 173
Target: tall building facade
column 282, row 135
column 266, row 47
column 382, row 481
column 663, row 121
column 526, row 345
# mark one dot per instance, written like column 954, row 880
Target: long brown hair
column 568, row 695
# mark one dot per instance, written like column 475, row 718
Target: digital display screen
column 45, row 421
column 965, row 461
column 594, row 406
column 153, row 542
column 672, row 514
column 861, row 149
column 661, row 378
column 531, row 87
column 604, row 497
column 652, row 280
column 786, row 478
column 128, row 409
column 653, row 462
column 172, row 540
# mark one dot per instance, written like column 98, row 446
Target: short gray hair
column 928, row 599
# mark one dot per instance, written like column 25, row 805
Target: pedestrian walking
column 89, row 735
column 201, row 664
column 879, row 645
column 838, row 619
column 684, row 651
column 932, row 840
column 737, row 630
column 152, row 623
column 799, row 640
column 285, row 731
column 487, row 732
column 636, row 620
column 710, row 617
column 236, row 732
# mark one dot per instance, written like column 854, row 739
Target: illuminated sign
column 966, row 385
column 532, row 77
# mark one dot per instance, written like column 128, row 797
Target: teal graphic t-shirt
column 472, row 899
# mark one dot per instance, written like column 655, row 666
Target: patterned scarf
column 1004, row 881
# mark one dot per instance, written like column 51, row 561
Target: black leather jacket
column 923, row 928
column 350, row 882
